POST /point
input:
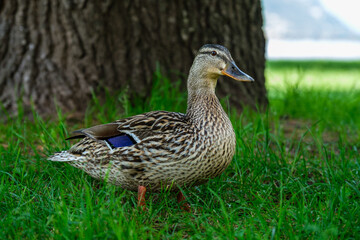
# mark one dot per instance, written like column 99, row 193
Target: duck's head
column 211, row 62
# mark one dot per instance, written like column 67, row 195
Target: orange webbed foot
column 141, row 197
column 182, row 200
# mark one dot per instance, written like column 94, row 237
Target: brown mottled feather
column 171, row 149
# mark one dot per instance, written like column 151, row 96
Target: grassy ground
column 295, row 175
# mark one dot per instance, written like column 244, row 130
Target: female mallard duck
column 161, row 149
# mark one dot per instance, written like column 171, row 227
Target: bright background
column 346, row 11
column 340, row 19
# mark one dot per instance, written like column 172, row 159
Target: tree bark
column 58, row 51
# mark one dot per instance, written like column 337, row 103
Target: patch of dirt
column 305, row 130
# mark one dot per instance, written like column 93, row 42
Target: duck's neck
column 202, row 100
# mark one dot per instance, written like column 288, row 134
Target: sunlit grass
column 321, row 75
column 328, row 92
column 295, row 174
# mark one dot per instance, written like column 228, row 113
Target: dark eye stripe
column 219, row 55
column 206, row 52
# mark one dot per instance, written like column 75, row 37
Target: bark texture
column 64, row 49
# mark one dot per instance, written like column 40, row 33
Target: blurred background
column 312, row 29
column 61, row 54
column 313, row 47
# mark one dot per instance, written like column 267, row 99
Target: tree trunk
column 63, row 49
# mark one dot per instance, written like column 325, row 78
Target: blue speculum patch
column 121, row 141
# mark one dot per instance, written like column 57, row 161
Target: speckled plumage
column 171, row 149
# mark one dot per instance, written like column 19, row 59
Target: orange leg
column 182, row 200
column 141, row 197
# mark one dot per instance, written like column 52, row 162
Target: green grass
column 295, row 175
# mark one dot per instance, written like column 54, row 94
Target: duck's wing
column 153, row 123
column 132, row 130
column 98, row 132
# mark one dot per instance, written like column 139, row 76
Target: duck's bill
column 234, row 72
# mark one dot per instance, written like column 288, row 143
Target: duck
column 162, row 149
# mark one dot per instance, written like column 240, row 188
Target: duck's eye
column 213, row 53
